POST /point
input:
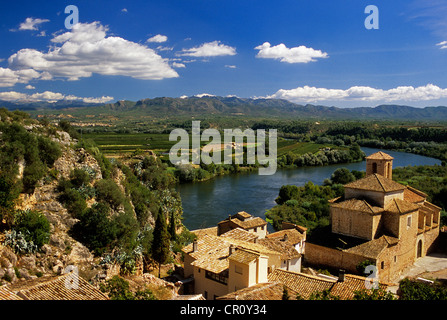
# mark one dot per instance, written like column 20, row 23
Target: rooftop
column 357, row 205
column 6, row 294
column 68, row 286
column 372, row 249
column 293, row 236
column 352, row 283
column 286, row 249
column 375, row 182
column 399, row 206
column 260, row 291
column 213, row 252
column 240, row 234
column 244, row 220
column 380, row 156
column 300, row 283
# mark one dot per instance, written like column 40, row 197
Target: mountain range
column 234, row 106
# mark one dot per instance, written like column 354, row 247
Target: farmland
column 120, row 144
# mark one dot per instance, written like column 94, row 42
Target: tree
column 342, row 176
column 287, row 192
column 161, row 243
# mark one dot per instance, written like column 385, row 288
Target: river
column 206, row 203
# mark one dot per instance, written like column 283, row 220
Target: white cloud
column 201, row 95
column 49, row 96
column 308, row 94
column 30, row 87
column 85, row 50
column 9, row 78
column 209, row 49
column 31, row 23
column 442, row 45
column 178, row 65
column 280, row 52
column 230, row 66
column 159, row 38
column 124, row 10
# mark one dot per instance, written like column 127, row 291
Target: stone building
column 379, row 220
column 244, row 221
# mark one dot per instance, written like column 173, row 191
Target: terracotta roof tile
column 260, row 291
column 371, row 249
column 300, row 283
column 375, row 182
column 346, row 289
column 380, row 156
column 357, row 205
column 286, row 249
column 399, row 206
column 243, row 256
column 413, row 195
column 213, row 252
column 68, row 286
column 240, row 234
column 6, row 294
column 293, row 236
column 200, row 232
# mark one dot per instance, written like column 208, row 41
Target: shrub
column 94, row 228
column 34, row 226
column 18, row 243
column 49, row 150
column 79, row 177
column 108, row 191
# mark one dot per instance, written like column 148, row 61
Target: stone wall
column 317, row 255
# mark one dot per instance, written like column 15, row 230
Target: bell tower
column 380, row 163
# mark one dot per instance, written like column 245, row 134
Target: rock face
column 62, row 250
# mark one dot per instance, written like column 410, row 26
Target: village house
column 301, row 285
column 244, row 221
column 241, row 257
column 379, row 221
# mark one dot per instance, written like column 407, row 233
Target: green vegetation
column 415, row 290
column 431, row 180
column 307, row 206
column 35, row 152
column 117, row 288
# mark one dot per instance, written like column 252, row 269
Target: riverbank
column 208, row 202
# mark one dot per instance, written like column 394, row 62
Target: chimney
column 194, row 245
column 286, row 237
column 341, row 275
column 231, row 250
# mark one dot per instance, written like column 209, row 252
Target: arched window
column 374, row 167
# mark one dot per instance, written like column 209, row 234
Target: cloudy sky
column 316, row 52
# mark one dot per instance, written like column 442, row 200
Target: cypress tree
column 172, row 226
column 161, row 243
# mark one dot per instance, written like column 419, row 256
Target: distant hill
column 214, row 105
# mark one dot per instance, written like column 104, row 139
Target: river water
column 206, row 203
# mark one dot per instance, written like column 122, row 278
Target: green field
column 286, row 146
column 113, row 144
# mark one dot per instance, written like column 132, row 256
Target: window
column 409, row 222
column 238, row 269
column 374, row 168
column 382, row 265
column 218, row 277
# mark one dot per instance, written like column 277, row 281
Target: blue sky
column 305, row 51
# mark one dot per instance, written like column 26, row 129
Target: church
column 377, row 220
